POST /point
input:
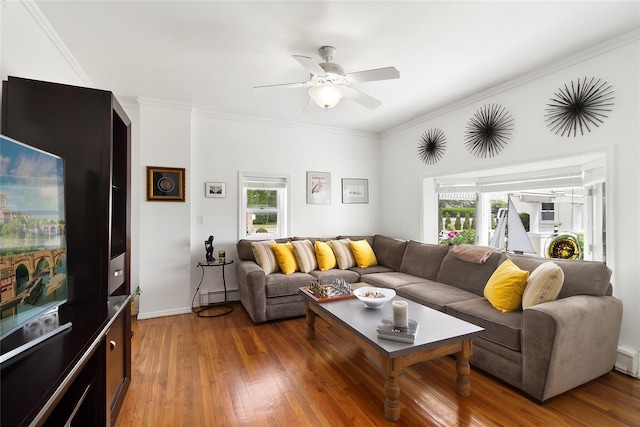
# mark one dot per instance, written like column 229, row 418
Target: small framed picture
column 165, row 184
column 215, row 189
column 318, row 188
column 355, row 190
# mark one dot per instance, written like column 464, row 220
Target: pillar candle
column 400, row 314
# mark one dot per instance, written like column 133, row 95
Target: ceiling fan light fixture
column 326, row 95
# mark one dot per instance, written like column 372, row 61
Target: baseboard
column 163, row 313
column 627, row 362
column 212, row 297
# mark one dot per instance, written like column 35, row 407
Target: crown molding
column 165, row 103
column 135, row 102
column 128, row 102
column 584, row 55
column 52, row 34
column 283, row 123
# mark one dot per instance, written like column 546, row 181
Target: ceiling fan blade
column 310, row 64
column 386, row 73
column 306, row 110
column 285, row 85
column 361, row 97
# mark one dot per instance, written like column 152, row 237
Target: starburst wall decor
column 488, row 130
column 431, row 146
column 578, row 107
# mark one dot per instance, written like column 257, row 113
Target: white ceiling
column 211, row 53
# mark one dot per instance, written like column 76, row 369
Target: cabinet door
column 115, row 348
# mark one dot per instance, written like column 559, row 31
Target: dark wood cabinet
column 90, row 130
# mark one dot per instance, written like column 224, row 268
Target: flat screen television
column 33, row 253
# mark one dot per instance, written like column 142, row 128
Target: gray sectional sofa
column 544, row 350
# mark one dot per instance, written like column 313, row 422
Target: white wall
column 215, row 147
column 31, row 49
column 165, row 140
column 402, row 173
column 224, row 145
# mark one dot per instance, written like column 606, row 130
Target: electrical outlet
column 200, row 219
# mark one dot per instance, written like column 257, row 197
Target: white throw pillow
column 305, row 255
column 544, row 284
column 265, row 256
column 342, row 250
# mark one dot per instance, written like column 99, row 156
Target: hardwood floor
column 225, row 371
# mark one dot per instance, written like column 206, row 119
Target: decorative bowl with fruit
column 374, row 297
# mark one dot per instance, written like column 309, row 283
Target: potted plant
column 134, row 295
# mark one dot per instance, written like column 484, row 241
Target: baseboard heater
column 212, row 297
column 627, row 362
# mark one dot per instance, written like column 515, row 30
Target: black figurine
column 208, row 246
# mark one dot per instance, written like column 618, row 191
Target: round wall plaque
column 579, row 107
column 488, row 131
column 431, row 146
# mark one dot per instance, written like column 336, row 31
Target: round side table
column 226, row 309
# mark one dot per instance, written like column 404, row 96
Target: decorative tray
column 332, row 294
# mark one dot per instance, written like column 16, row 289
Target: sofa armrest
column 568, row 342
column 251, row 285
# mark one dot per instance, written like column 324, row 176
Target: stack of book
column 387, row 330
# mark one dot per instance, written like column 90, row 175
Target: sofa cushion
column 324, row 255
column 342, row 251
column 368, row 238
column 435, row 295
column 245, row 252
column 243, row 247
column 305, row 255
column 286, row 258
column 391, row 280
column 389, row 251
column 580, row 277
column 501, row 328
column 363, row 253
column 423, row 259
column 371, row 270
column 468, row 276
column 278, row 284
column 265, row 256
column 544, row 284
column 312, row 239
column 505, row 287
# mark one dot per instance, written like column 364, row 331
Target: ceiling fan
column 328, row 82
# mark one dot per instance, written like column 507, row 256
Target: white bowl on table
column 374, row 297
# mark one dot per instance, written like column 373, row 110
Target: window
column 263, row 206
column 457, row 218
column 548, row 212
column 567, row 195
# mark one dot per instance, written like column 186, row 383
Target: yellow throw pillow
column 305, row 255
column 286, row 258
column 265, row 257
column 505, row 287
column 342, row 251
column 544, row 284
column 363, row 254
column 324, row 255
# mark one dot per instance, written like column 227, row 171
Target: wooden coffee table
column 438, row 335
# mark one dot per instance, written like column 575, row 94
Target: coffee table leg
column 463, row 381
column 311, row 321
column 393, row 369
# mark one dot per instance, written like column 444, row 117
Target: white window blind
column 263, row 206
